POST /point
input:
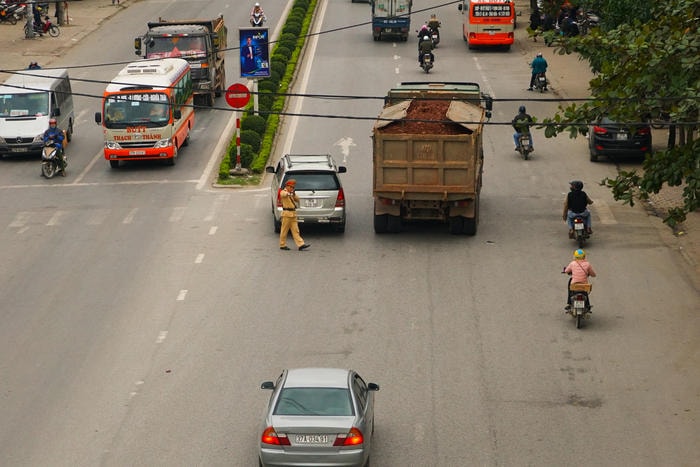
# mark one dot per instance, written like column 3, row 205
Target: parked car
column 318, row 416
column 322, row 198
column 613, row 139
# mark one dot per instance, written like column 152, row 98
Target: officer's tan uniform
column 290, row 201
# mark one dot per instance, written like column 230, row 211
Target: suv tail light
column 270, row 436
column 643, row 131
column 340, row 200
column 352, row 438
column 599, row 130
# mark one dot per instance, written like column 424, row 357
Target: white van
column 27, row 100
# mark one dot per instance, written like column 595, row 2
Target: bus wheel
column 173, row 159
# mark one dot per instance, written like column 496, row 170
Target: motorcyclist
column 538, row 65
column 256, row 13
column 434, row 24
column 580, row 270
column 521, row 124
column 425, row 46
column 55, row 135
column 34, row 66
column 576, row 204
column 424, row 31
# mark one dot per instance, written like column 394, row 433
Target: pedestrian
column 290, row 202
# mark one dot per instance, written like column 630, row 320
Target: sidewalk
column 569, row 77
column 84, row 16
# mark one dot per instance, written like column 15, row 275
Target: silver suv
column 322, row 199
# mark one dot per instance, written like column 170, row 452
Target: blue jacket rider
column 55, row 135
column 539, row 65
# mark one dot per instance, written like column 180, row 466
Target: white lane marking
column 486, row 84
column 345, row 143
column 98, row 217
column 213, row 229
column 177, row 214
column 71, row 185
column 56, row 218
column 161, row 337
column 130, row 217
column 181, row 296
column 21, row 219
column 216, row 206
column 304, row 72
column 199, row 258
column 604, row 213
column 97, row 157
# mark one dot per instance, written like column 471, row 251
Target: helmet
column 521, row 109
column 257, row 4
column 52, row 121
column 426, row 38
column 539, row 54
column 579, row 254
column 577, row 184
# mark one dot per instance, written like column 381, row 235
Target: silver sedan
column 318, row 416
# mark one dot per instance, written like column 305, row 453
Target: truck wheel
column 470, row 225
column 393, row 224
column 210, row 100
column 222, row 83
column 381, row 223
column 456, row 224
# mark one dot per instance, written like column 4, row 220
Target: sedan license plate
column 309, row 203
column 311, row 439
column 621, row 137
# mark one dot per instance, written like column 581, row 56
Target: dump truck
column 428, row 156
column 391, row 18
column 201, row 42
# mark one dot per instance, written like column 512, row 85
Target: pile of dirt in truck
column 425, row 116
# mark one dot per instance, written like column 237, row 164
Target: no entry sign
column 237, row 95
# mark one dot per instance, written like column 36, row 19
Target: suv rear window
column 313, row 181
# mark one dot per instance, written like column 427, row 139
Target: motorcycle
column 257, row 20
column 541, row 82
column 579, row 306
column 51, row 162
column 46, row 27
column 581, row 234
column 8, row 13
column 435, row 36
column 427, row 63
column 524, row 145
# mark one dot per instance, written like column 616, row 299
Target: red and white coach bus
column 147, row 111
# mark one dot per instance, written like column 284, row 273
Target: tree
column 646, row 68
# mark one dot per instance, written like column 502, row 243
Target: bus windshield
column 33, row 104
column 143, row 109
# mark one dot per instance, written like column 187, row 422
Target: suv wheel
column 278, row 225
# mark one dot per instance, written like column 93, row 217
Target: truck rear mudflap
column 416, row 209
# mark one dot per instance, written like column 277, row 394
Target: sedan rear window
column 314, row 181
column 315, row 401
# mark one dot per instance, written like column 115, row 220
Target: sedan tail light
column 352, row 438
column 270, row 436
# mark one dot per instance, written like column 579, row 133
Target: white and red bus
column 147, row 111
column 488, row 22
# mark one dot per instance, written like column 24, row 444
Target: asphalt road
column 142, row 308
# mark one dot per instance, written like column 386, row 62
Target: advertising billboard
column 255, row 52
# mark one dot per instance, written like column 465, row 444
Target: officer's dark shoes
column 284, row 248
column 304, row 247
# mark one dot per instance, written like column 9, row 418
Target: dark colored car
column 612, row 139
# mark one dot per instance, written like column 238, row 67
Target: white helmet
column 257, row 4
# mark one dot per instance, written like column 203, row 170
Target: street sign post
column 238, row 96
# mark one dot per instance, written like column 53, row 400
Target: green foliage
column 255, row 123
column 251, row 138
column 282, row 53
column 292, row 27
column 646, row 68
